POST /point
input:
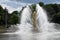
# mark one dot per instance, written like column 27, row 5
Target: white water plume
column 26, row 23
column 42, row 20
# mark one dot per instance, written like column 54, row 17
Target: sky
column 13, row 5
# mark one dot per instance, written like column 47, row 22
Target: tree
column 6, row 17
column 56, row 18
column 55, row 7
column 41, row 3
column 1, row 15
column 13, row 19
column 50, row 11
column 15, row 12
column 1, row 10
column 33, row 7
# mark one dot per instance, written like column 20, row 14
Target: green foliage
column 56, row 18
column 53, row 12
column 1, row 9
column 15, row 12
column 13, row 19
column 55, row 7
column 58, row 14
column 33, row 7
column 41, row 3
column 50, row 11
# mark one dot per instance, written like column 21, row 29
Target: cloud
column 27, row 1
column 51, row 1
column 57, row 2
column 10, row 9
column 15, row 4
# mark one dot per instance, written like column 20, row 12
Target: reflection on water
column 34, row 36
column 9, row 37
column 54, row 37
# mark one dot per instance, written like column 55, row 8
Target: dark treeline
column 53, row 11
column 8, row 18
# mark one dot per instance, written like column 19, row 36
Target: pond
column 34, row 36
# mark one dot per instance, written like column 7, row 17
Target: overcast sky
column 17, row 4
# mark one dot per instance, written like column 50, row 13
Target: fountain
column 38, row 22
